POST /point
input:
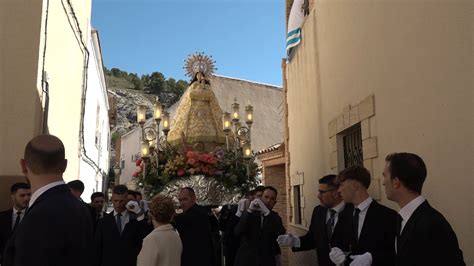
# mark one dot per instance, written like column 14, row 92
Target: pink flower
column 138, row 162
column 190, row 154
column 205, row 169
column 135, row 174
column 180, row 172
column 191, row 161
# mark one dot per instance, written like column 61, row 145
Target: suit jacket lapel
column 409, row 226
column 368, row 218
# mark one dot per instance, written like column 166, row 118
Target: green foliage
column 154, row 83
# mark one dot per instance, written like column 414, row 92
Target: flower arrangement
column 228, row 168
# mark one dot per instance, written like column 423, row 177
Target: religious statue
column 198, row 118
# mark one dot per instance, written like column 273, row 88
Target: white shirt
column 408, row 210
column 42, row 190
column 14, row 215
column 363, row 207
column 338, row 208
column 125, row 218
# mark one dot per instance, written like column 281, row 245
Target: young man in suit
column 10, row 219
column 97, row 203
column 56, row 229
column 258, row 229
column 119, row 235
column 194, row 229
column 329, row 222
column 424, row 237
column 373, row 225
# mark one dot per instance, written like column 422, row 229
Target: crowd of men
column 49, row 223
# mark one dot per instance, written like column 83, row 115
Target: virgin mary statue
column 198, row 118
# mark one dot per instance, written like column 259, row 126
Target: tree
column 157, row 83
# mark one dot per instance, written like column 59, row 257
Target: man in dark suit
column 373, row 225
column 258, row 229
column 194, row 229
column 97, row 203
column 77, row 188
column 56, row 229
column 329, row 223
column 424, row 237
column 10, row 219
column 119, row 235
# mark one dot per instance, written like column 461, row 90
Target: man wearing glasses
column 329, row 222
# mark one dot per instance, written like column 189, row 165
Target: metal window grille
column 352, row 141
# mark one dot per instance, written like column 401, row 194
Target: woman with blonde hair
column 163, row 245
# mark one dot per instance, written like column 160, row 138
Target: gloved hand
column 289, row 240
column 361, row 260
column 132, row 206
column 241, row 206
column 258, row 205
column 337, row 256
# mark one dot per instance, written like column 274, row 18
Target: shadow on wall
column 5, row 184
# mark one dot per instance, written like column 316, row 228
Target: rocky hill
column 126, row 98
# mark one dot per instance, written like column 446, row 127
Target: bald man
column 57, row 228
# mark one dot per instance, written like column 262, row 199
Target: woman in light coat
column 162, row 247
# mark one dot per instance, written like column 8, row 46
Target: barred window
column 352, row 146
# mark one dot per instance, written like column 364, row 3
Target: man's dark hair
column 20, row 185
column 329, row 180
column 250, row 193
column 45, row 154
column 97, row 195
column 120, row 190
column 271, row 188
column 188, row 189
column 409, row 168
column 259, row 189
column 357, row 173
column 76, row 185
column 138, row 193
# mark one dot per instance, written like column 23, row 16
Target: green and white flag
column 293, row 37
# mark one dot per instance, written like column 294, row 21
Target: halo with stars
column 199, row 62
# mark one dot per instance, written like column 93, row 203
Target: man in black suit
column 10, row 219
column 97, row 203
column 56, row 229
column 373, row 225
column 194, row 229
column 424, row 237
column 258, row 229
column 119, row 235
column 329, row 222
column 77, row 188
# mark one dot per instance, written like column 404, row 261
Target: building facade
column 46, row 52
column 375, row 77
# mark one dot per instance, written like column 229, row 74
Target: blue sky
column 246, row 38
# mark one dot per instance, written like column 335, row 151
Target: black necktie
column 355, row 223
column 17, row 221
column 119, row 223
column 330, row 223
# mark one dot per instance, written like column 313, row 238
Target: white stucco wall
column 94, row 164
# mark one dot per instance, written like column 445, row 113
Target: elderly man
column 424, row 237
column 10, row 219
column 194, row 230
column 57, row 229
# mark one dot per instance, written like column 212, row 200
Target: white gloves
column 132, row 206
column 361, row 260
column 242, row 206
column 258, row 205
column 289, row 240
column 337, row 256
